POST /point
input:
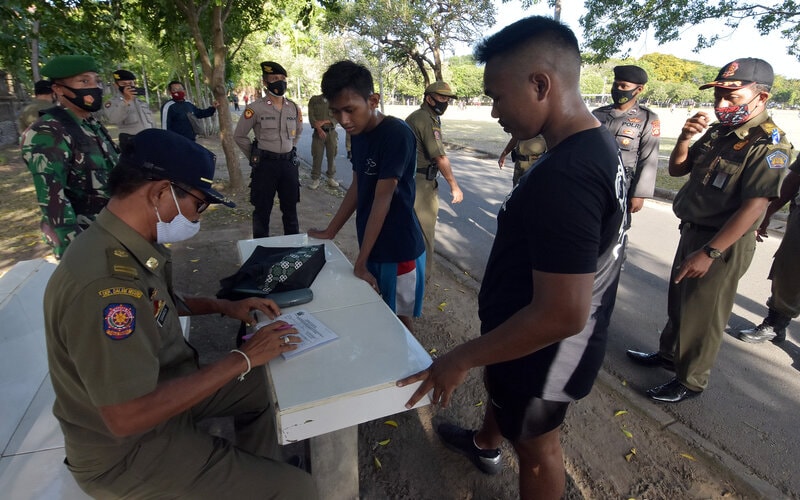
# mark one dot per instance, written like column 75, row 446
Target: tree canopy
column 608, row 24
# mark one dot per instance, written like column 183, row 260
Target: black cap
column 171, row 156
column 123, row 74
column 741, row 73
column 43, row 87
column 272, row 68
column 630, row 73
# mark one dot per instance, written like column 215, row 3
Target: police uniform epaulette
column 769, row 127
column 121, row 264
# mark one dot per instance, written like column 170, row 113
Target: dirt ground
column 612, row 450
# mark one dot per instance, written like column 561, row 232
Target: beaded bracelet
column 241, row 377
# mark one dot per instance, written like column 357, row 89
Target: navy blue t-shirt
column 565, row 216
column 385, row 152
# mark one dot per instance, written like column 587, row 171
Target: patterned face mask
column 733, row 116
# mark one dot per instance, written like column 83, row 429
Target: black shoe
column 763, row 333
column 461, row 441
column 672, row 392
column 651, row 359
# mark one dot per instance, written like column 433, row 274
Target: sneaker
column 763, row 333
column 332, row 182
column 314, row 184
column 462, row 441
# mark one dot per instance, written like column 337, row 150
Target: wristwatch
column 712, row 252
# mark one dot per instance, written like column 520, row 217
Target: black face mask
column 86, row 99
column 439, row 107
column 277, row 88
column 621, row 96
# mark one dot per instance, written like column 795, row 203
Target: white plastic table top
column 352, row 379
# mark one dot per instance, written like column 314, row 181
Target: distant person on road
column 69, row 153
column 432, row 160
column 735, row 169
column 391, row 256
column 175, row 112
column 128, row 387
column 324, row 140
column 43, row 99
column 276, row 122
column 523, row 154
column 130, row 114
column 235, row 101
column 547, row 293
column 637, row 130
column 784, row 303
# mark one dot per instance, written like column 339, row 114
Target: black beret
column 123, row 74
column 630, row 73
column 272, row 68
column 43, row 87
column 67, row 66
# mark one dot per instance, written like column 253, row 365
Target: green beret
column 66, row 66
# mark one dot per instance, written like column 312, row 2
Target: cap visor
column 733, row 85
column 215, row 196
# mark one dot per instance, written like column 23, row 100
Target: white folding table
column 324, row 393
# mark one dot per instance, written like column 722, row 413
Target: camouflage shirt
column 70, row 176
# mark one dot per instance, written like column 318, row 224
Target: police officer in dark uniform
column 735, row 168
column 637, row 130
column 277, row 123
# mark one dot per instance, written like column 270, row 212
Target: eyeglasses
column 202, row 204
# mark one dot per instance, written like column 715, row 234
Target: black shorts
column 521, row 418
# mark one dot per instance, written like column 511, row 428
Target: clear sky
column 745, row 42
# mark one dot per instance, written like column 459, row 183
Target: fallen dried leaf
column 627, row 433
column 391, row 423
column 442, row 306
column 384, row 442
column 433, row 351
column 479, row 403
column 377, row 463
column 688, row 457
column 620, row 413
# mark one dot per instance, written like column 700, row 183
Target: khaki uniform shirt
column 530, row 150
column 30, row 113
column 731, row 166
column 131, row 117
column 427, row 128
column 318, row 110
column 112, row 333
column 276, row 131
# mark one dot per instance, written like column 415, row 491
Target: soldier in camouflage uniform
column 43, row 100
column 69, row 153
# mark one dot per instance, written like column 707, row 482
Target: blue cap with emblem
column 171, row 156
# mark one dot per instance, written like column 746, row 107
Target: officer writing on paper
column 128, row 386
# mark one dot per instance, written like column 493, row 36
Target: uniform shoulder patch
column 656, row 128
column 777, row 159
column 248, row 113
column 119, row 321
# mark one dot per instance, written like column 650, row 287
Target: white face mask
column 179, row 229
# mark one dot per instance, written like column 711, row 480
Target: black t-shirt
column 565, row 216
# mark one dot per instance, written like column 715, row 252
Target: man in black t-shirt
column 561, row 234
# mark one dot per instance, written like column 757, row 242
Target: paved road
column 748, row 414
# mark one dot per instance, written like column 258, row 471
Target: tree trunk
column 215, row 78
column 35, row 51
